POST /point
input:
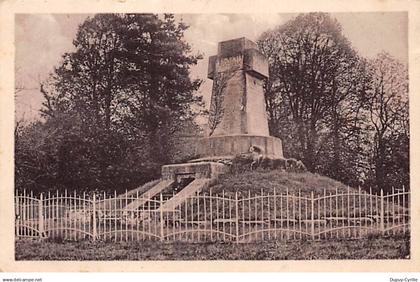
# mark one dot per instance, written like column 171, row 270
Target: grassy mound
column 349, row 201
column 268, row 180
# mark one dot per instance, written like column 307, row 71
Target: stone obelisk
column 238, row 118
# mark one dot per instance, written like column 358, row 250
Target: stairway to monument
column 149, row 194
column 189, row 190
column 183, row 179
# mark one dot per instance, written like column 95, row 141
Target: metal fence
column 238, row 217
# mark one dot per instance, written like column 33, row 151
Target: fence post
column 94, row 217
column 382, row 215
column 237, row 217
column 161, row 217
column 17, row 214
column 312, row 216
column 211, row 216
column 40, row 217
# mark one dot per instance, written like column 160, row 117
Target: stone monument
column 237, row 122
column 238, row 118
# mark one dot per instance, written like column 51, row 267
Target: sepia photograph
column 223, row 136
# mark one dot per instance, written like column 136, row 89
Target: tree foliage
column 388, row 112
column 113, row 105
column 323, row 99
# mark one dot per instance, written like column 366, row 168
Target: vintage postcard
column 208, row 136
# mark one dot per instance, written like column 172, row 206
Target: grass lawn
column 396, row 247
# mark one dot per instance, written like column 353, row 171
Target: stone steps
column 189, row 190
column 147, row 196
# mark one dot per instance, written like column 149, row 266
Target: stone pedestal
column 219, row 147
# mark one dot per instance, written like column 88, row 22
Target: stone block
column 227, row 64
column 255, row 63
column 212, row 67
column 195, row 170
column 233, row 47
column 232, row 120
column 256, row 114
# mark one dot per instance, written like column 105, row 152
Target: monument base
column 193, row 170
column 232, row 145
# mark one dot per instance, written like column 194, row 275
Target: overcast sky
column 41, row 39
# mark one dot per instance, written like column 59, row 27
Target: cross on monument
column 237, row 105
column 238, row 118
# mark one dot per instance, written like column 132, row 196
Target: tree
column 312, row 66
column 160, row 91
column 388, row 112
column 112, row 106
column 345, row 140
